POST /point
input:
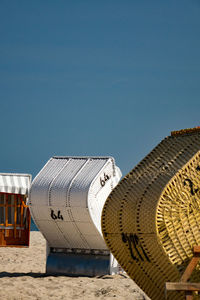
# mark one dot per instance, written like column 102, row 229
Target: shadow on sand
column 30, row 274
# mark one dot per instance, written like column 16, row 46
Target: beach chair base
column 78, row 264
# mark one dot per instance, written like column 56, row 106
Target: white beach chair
column 66, row 202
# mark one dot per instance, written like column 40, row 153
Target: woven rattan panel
column 151, row 220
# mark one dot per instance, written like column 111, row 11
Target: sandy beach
column 22, row 276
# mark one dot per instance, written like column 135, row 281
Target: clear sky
column 95, row 77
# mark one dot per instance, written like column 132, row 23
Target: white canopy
column 15, row 183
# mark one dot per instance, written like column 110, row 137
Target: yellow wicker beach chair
column 151, row 220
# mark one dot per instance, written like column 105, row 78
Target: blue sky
column 95, row 77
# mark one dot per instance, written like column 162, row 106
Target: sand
column 22, row 276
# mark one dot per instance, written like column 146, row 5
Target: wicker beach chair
column 151, row 220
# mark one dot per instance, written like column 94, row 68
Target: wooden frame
column 183, row 285
column 14, row 220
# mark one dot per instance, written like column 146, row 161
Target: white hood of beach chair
column 15, row 183
column 67, row 198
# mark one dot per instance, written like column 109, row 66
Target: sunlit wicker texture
column 135, row 210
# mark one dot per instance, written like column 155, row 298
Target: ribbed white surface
column 15, row 183
column 42, row 182
column 61, row 186
column 73, row 190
